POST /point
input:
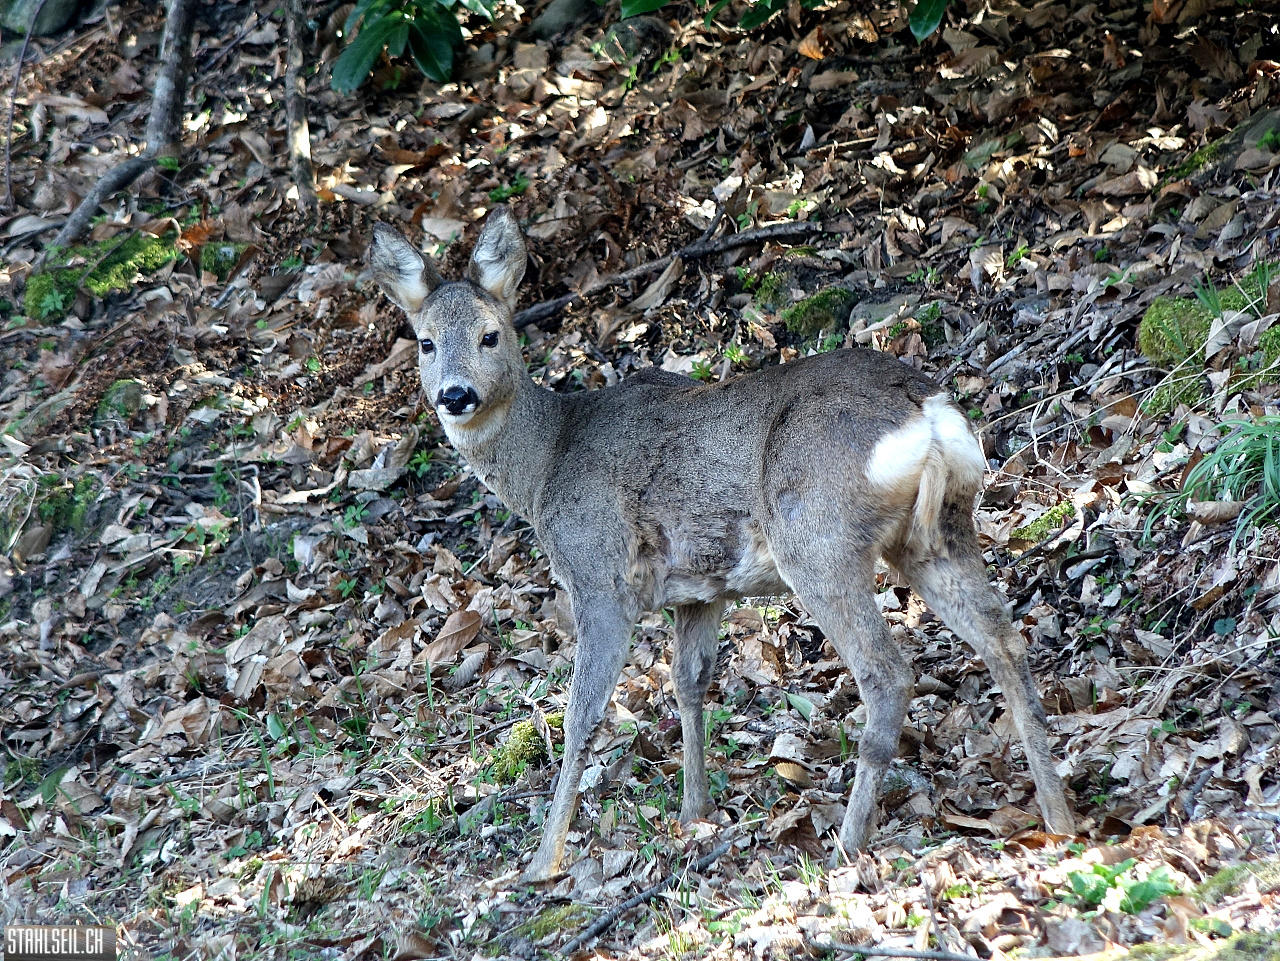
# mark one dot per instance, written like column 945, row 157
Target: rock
column 15, row 15
column 638, row 41
column 559, row 16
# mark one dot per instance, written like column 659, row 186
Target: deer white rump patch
column 941, row 433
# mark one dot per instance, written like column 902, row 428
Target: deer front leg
column 693, row 663
column 604, row 634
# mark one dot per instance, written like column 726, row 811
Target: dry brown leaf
column 460, row 629
column 654, row 295
column 814, row 44
column 1215, row 512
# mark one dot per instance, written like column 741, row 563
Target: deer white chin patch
column 465, row 432
column 448, row 420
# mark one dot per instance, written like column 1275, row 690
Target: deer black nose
column 457, row 399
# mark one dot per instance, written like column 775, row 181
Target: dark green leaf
column 483, row 8
column 760, row 12
column 355, row 62
column 714, row 11
column 373, row 9
column 925, row 17
column 634, row 8
column 431, row 43
column 398, row 40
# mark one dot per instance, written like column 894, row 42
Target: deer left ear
column 499, row 259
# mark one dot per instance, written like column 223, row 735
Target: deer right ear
column 400, row 270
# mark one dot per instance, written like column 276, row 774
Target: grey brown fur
column 663, row 492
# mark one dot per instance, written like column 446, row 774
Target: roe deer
column 666, row 492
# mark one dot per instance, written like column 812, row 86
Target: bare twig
column 295, row 108
column 13, row 102
column 714, row 225
column 873, row 950
column 163, row 124
column 933, row 913
column 606, row 920
column 206, row 768
column 224, row 51
column 700, row 248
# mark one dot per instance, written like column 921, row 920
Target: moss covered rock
column 1229, row 881
column 121, row 401
column 825, row 309
column 100, row 269
column 768, row 292
column 221, row 258
column 554, row 920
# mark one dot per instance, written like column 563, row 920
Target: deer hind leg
column 953, row 581
column 604, row 634
column 846, row 609
column 693, row 663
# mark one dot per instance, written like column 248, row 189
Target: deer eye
column 427, row 345
column 490, row 339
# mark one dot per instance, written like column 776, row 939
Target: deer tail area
column 936, row 458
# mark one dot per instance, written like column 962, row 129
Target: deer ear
column 499, row 258
column 400, row 270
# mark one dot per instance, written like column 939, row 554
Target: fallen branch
column 163, row 124
column 295, row 109
column 873, row 950
column 606, row 920
column 699, row 248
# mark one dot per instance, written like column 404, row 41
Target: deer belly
column 742, row 566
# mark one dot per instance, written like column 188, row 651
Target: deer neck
column 511, row 450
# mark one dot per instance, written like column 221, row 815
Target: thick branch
column 164, row 124
column 699, row 248
column 13, row 102
column 295, row 107
column 874, row 950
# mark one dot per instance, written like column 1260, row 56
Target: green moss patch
column 100, row 269
column 1198, row 159
column 1153, row 952
column 554, row 920
column 1252, row 946
column 1231, row 880
column 1269, row 346
column 1171, row 334
column 768, row 292
column 523, row 746
column 1263, row 365
column 66, row 506
column 221, row 258
column 1173, row 329
column 825, row 309
column 1047, row 523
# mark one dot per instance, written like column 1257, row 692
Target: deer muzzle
column 458, row 400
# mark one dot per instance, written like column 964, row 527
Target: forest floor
column 280, row 678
